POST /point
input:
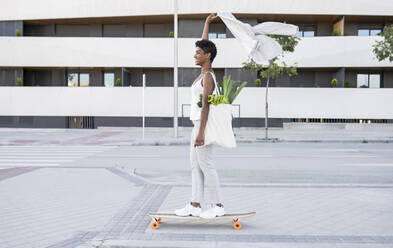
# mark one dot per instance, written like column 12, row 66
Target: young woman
column 202, row 167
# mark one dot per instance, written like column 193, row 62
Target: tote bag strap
column 215, row 83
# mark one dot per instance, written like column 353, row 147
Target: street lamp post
column 175, row 100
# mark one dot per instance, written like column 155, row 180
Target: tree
column 274, row 68
column 383, row 49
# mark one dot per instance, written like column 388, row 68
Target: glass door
column 76, row 79
column 79, row 79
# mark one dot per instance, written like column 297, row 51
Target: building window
column 368, row 32
column 109, row 79
column 368, row 80
column 73, row 79
column 76, row 79
column 306, row 31
column 84, row 79
column 217, row 35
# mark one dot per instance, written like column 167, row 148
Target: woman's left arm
column 209, row 19
column 208, row 87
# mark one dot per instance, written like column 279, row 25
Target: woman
column 202, row 166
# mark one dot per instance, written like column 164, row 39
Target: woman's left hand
column 200, row 140
column 211, row 17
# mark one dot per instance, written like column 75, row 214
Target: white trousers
column 203, row 170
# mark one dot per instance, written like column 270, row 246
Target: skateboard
column 235, row 217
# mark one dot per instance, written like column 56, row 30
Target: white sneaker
column 213, row 212
column 188, row 210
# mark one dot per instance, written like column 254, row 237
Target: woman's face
column 200, row 56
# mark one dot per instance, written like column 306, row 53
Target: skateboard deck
column 235, row 217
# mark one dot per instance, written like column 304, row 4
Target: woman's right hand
column 211, row 17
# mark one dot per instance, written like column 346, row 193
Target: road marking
column 38, row 156
column 130, row 156
column 57, row 146
column 49, row 153
column 29, row 160
column 342, row 156
column 27, row 165
column 369, row 164
column 335, row 150
column 244, row 156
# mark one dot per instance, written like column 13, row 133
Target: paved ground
column 306, row 194
column 165, row 136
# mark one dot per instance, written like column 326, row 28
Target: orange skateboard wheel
column 159, row 220
column 155, row 225
column 237, row 225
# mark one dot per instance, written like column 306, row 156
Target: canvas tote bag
column 218, row 129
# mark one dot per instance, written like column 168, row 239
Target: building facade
column 111, row 44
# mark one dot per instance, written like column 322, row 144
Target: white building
column 95, row 43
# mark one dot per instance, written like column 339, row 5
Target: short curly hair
column 208, row 47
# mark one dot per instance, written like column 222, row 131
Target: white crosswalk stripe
column 33, row 156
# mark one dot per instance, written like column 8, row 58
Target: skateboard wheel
column 155, row 225
column 159, row 220
column 237, row 225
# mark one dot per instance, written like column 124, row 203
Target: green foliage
column 334, row 83
column 347, row 84
column 228, row 91
column 214, row 99
column 217, row 99
column 19, row 82
column 171, row 34
column 231, row 88
column 258, row 82
column 336, row 32
column 200, row 100
column 17, row 32
column 383, row 49
column 118, row 82
column 288, row 43
column 273, row 70
column 363, row 86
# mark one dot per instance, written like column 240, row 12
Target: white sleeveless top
column 196, row 90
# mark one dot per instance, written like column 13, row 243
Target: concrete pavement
column 306, row 194
column 165, row 136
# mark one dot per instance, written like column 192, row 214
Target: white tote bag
column 218, row 129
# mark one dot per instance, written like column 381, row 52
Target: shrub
column 347, row 84
column 17, row 32
column 336, row 32
column 118, row 82
column 171, row 34
column 334, row 83
column 19, row 82
column 258, row 82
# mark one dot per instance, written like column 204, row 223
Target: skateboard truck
column 236, row 223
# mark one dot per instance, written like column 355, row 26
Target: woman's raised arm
column 209, row 19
